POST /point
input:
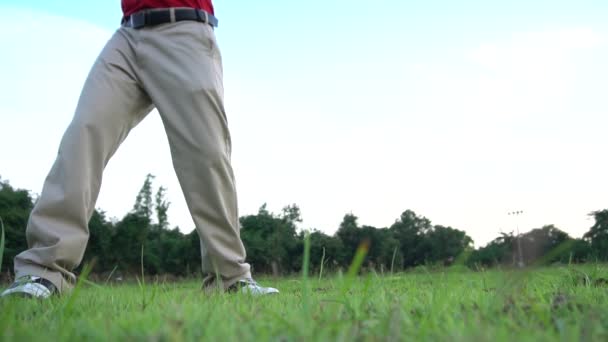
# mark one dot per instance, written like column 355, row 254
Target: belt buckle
column 203, row 17
column 137, row 20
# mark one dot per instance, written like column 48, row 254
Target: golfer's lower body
column 176, row 68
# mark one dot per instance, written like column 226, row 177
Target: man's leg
column 111, row 103
column 183, row 75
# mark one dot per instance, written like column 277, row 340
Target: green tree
column 541, row 244
column 387, row 248
column 598, row 234
column 129, row 237
column 382, row 246
column 172, row 252
column 497, row 251
column 162, row 207
column 410, row 230
column 579, row 252
column 192, row 253
column 292, row 214
column 143, row 202
column 447, row 243
column 15, row 208
column 100, row 247
column 320, row 244
column 269, row 239
column 350, row 235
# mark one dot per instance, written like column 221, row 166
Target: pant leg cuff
column 229, row 282
column 62, row 285
column 210, row 282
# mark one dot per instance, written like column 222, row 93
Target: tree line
column 275, row 244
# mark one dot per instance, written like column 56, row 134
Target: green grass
column 547, row 304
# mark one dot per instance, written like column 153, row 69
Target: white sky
column 509, row 122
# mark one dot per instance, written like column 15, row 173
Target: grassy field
column 547, row 304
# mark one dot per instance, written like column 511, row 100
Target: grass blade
column 355, row 265
column 111, row 273
column 305, row 265
column 1, row 242
column 67, row 309
column 358, row 259
column 142, row 267
column 393, row 260
column 322, row 262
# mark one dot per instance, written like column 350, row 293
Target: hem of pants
column 54, row 277
column 210, row 282
column 231, row 281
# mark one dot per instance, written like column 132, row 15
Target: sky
column 462, row 111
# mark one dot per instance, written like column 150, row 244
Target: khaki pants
column 176, row 68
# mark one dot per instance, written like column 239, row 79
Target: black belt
column 153, row 17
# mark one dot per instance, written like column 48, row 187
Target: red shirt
column 131, row 6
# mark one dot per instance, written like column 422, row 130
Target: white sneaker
column 250, row 286
column 31, row 287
